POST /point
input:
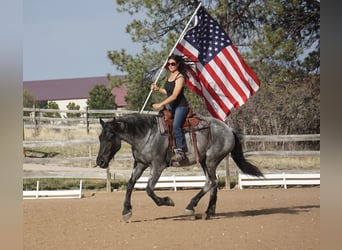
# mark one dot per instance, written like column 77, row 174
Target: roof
column 71, row 89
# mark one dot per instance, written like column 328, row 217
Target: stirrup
column 178, row 155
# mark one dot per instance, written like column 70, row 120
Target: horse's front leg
column 155, row 174
column 137, row 172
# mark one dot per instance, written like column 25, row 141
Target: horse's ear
column 102, row 122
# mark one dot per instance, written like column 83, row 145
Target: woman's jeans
column 179, row 117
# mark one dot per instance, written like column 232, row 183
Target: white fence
column 49, row 194
column 283, row 180
column 173, row 182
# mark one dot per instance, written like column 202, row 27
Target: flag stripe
column 233, row 77
column 249, row 76
column 216, row 84
column 229, row 83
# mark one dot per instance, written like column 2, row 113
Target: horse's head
column 110, row 143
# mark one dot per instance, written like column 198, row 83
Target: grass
column 68, row 184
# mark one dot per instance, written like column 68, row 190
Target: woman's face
column 172, row 65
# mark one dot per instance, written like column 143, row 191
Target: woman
column 175, row 101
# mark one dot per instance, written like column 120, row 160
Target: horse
column 150, row 148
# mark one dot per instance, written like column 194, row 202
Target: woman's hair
column 184, row 63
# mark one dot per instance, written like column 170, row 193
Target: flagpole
column 162, row 68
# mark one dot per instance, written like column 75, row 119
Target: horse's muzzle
column 101, row 163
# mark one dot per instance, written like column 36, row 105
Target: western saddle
column 192, row 123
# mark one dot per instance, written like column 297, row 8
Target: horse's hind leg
column 190, row 209
column 213, row 192
column 211, row 210
column 211, row 185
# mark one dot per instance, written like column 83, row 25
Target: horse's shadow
column 224, row 215
column 266, row 211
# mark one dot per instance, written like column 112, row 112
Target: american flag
column 219, row 74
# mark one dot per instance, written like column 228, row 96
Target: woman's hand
column 157, row 106
column 154, row 87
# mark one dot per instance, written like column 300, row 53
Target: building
column 64, row 91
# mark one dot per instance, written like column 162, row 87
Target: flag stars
column 209, row 35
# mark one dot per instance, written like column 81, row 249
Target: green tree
column 279, row 39
column 73, row 106
column 28, row 101
column 52, row 105
column 101, row 98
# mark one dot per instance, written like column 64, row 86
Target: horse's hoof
column 170, row 201
column 127, row 216
column 205, row 216
column 189, row 212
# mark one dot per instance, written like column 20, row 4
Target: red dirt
column 246, row 219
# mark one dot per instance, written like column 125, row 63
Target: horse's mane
column 138, row 124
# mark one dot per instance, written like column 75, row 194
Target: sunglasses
column 171, row 64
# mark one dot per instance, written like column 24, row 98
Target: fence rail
column 283, row 180
column 315, row 137
column 49, row 194
column 86, row 120
column 173, row 182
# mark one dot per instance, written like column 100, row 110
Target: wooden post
column 35, row 120
column 89, row 154
column 108, row 181
column 226, row 166
column 244, row 138
column 24, row 152
column 87, row 119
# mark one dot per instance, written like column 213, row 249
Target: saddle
column 191, row 120
column 192, row 123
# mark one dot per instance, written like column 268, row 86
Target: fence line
column 38, row 120
column 247, row 138
column 283, row 180
column 128, row 157
column 173, row 182
column 48, row 194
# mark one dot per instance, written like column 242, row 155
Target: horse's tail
column 241, row 161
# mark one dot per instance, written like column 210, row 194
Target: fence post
column 89, row 154
column 108, row 181
column 35, row 119
column 80, row 195
column 174, row 183
column 37, row 189
column 24, row 152
column 226, row 166
column 87, row 119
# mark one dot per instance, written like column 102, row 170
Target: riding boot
column 178, row 155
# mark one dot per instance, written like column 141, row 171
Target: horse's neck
column 143, row 129
column 136, row 142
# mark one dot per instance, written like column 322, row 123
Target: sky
column 70, row 38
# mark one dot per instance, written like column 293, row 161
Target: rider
column 175, row 101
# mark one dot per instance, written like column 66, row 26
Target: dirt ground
column 246, row 219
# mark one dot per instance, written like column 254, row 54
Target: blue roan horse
column 150, row 148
